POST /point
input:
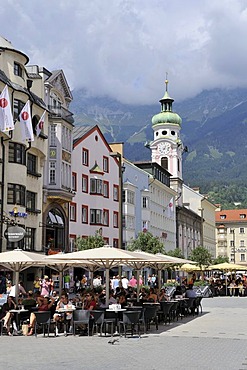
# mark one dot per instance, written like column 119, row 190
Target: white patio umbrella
column 62, row 265
column 18, row 260
column 106, row 257
column 227, row 266
column 158, row 261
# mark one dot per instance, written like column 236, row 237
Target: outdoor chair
column 110, row 319
column 98, row 320
column 174, row 312
column 198, row 304
column 166, row 311
column 130, row 318
column 81, row 317
column 190, row 306
column 43, row 319
column 149, row 315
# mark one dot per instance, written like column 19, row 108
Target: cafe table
column 63, row 311
column 17, row 314
column 117, row 311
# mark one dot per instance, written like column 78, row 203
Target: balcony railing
column 61, row 112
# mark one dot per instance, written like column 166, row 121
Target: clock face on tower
column 164, row 148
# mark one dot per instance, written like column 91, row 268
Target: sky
column 124, row 48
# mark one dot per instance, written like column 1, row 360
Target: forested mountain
column 214, row 128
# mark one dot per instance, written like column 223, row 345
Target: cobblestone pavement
column 216, row 339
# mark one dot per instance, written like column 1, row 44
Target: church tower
column 167, row 147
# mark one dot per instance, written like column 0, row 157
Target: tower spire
column 166, row 82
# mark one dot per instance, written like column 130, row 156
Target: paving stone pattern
column 216, row 339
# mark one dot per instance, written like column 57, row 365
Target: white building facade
column 95, row 183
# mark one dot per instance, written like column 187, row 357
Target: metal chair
column 130, row 318
column 166, row 310
column 110, row 318
column 43, row 319
column 80, row 317
column 150, row 314
column 98, row 320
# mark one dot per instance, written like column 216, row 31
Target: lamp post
column 233, row 246
column 121, row 169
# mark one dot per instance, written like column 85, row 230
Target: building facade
column 231, row 234
column 32, row 183
column 22, row 162
column 95, row 183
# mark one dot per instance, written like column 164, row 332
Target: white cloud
column 123, row 48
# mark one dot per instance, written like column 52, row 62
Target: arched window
column 164, row 163
column 178, row 165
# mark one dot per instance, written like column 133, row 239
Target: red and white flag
column 40, row 124
column 6, row 117
column 170, row 208
column 26, row 123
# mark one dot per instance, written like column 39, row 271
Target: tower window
column 164, row 132
column 157, row 133
column 164, row 163
column 173, row 133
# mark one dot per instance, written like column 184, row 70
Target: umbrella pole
column 226, row 284
column 159, row 279
column 17, row 283
column 138, row 285
column 60, row 281
column 107, row 283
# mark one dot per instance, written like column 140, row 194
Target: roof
column 231, row 215
column 79, row 132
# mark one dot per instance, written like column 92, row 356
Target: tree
column 175, row 253
column 90, row 242
column 202, row 256
column 220, row 259
column 146, row 242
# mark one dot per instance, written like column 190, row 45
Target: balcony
column 60, row 112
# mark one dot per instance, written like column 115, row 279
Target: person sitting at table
column 179, row 292
column 152, row 296
column 29, row 302
column 190, row 292
column 43, row 305
column 163, row 296
column 232, row 287
column 63, row 303
column 122, row 298
column 89, row 302
column 7, row 316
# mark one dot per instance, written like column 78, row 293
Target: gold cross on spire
column 166, row 82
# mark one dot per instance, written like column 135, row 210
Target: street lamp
column 121, row 170
column 233, row 245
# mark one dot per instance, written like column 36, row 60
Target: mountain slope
column 214, row 128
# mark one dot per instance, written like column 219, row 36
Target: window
column 52, row 173
column 96, row 186
column 232, row 243
column 106, row 189
column 241, row 243
column 115, row 243
column 242, row 257
column 84, row 181
column 96, row 216
column 106, row 217
column 31, row 163
column 105, row 164
column 242, row 215
column 85, row 157
column 164, row 163
column 16, row 194
column 222, row 217
column 53, row 135
column 72, row 212
column 31, row 201
column 116, row 193
column 17, row 69
column 84, row 214
column 17, row 153
column 18, row 105
column 74, row 181
column 115, row 219
column 231, row 231
column 144, row 202
column 178, row 165
column 241, row 230
column 130, row 197
column 29, row 240
column 72, row 243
